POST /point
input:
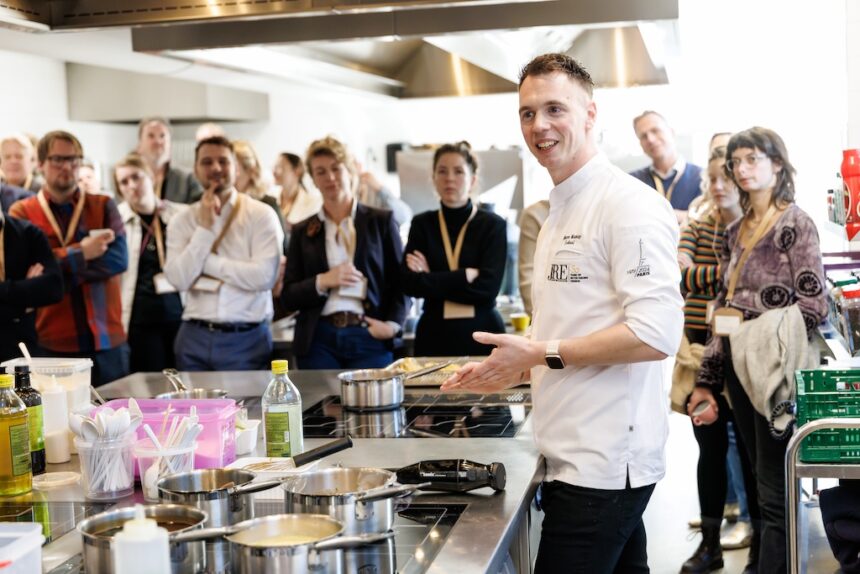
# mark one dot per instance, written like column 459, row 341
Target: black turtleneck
column 455, row 217
column 484, row 248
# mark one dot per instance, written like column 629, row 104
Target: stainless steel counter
column 492, row 525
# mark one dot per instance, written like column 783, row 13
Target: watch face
column 554, row 362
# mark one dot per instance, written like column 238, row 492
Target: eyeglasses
column 60, row 160
column 749, row 161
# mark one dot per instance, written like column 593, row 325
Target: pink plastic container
column 216, row 444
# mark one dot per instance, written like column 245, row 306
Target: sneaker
column 739, row 535
column 695, row 522
column 731, row 512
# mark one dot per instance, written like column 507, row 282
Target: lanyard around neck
column 233, row 213
column 346, row 238
column 154, row 230
column 760, row 230
column 453, row 255
column 73, row 223
column 658, row 183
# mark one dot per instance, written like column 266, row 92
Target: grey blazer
column 181, row 186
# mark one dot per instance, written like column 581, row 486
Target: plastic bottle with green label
column 282, row 414
column 33, row 401
column 16, row 476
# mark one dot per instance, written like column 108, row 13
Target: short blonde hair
column 333, row 148
column 132, row 160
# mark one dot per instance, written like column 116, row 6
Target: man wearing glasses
column 88, row 240
column 672, row 177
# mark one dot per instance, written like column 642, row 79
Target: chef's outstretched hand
column 507, row 366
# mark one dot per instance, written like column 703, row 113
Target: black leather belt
column 225, row 327
column 343, row 319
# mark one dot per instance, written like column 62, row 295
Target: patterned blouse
column 784, row 268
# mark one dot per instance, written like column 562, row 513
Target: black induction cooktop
column 449, row 415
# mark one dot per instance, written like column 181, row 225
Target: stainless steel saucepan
column 98, row 532
column 181, row 391
column 375, row 389
column 287, row 543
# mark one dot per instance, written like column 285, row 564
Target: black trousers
column 767, row 458
column 713, row 442
column 151, row 346
column 593, row 531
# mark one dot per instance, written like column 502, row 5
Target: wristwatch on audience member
column 552, row 356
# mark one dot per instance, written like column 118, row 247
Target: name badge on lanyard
column 452, row 309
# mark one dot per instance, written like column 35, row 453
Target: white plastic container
column 21, row 547
column 73, row 374
column 141, row 547
column 55, row 414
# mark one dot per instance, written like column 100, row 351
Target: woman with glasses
column 770, row 260
column 455, row 259
column 151, row 306
column 701, row 243
column 342, row 272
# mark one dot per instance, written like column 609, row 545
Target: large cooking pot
column 360, row 498
column 224, row 493
column 98, row 531
column 371, row 389
column 287, row 543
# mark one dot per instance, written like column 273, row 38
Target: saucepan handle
column 202, row 534
column 389, row 492
column 345, row 542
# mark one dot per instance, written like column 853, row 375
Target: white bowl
column 246, row 438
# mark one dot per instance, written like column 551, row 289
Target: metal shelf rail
column 795, row 471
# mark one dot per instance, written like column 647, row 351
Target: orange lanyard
column 658, row 184
column 348, row 237
column 73, row 224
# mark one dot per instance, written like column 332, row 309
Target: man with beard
column 171, row 182
column 225, row 252
column 675, row 179
column 88, row 240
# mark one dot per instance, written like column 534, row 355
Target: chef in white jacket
column 607, row 313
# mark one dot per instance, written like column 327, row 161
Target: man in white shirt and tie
column 224, row 252
column 607, row 311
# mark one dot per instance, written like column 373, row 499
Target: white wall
column 36, row 103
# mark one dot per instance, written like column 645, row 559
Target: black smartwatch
column 552, row 356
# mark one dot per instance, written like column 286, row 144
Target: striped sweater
column 702, row 240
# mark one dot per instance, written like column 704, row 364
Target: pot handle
column 390, row 492
column 202, row 534
column 344, row 542
column 323, row 451
column 427, row 370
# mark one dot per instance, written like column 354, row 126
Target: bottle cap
column 7, row 381
column 22, row 368
column 280, row 367
column 498, row 476
column 140, row 527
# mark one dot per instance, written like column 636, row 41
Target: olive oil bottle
column 16, row 475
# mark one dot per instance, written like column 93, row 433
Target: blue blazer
column 378, row 252
column 688, row 188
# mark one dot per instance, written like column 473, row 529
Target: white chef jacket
column 247, row 261
column 606, row 255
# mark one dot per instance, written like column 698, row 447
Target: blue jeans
column 736, row 476
column 345, row 348
column 592, row 531
column 199, row 349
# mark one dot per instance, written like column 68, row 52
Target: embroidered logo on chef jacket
column 566, row 273
column 642, row 269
